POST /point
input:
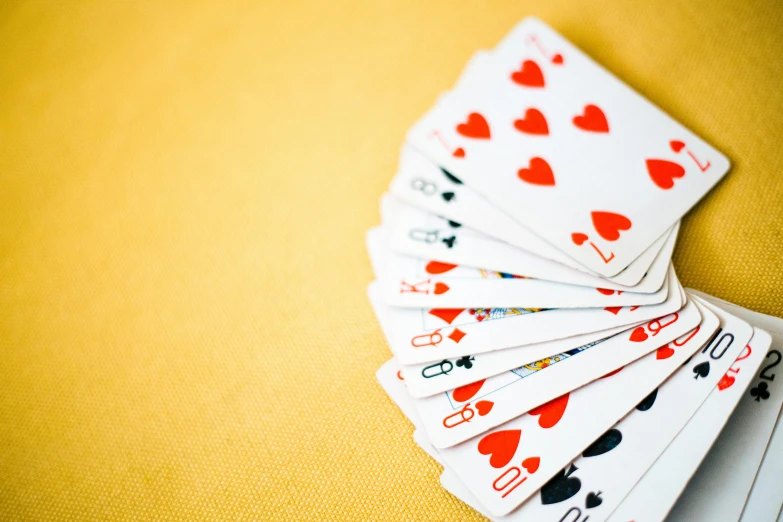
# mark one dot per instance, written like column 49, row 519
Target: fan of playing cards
column 543, row 346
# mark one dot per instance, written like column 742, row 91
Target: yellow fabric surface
column 185, row 190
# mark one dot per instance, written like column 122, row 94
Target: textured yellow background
column 184, row 191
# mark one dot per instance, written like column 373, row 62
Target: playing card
column 428, row 335
column 764, row 500
column 766, row 496
column 417, row 183
column 424, row 185
column 413, row 232
column 732, row 463
column 427, row 379
column 511, row 245
column 652, row 497
column 549, row 437
column 392, row 381
column 452, row 484
column 421, row 440
column 643, row 435
column 417, row 283
column 456, row 416
column 568, row 150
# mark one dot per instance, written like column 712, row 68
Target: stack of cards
column 543, row 346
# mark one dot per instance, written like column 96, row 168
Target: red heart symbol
column 605, row 291
column 551, row 412
column 613, row 309
column 464, row 393
column 539, row 173
column 459, row 153
column 501, row 445
column 436, row 267
column 578, row 238
column 608, row 224
column 529, row 75
column 613, row 372
column 558, row 59
column 725, row 382
column 664, row 352
column 476, row 127
column 592, row 119
column 531, row 464
column 639, row 335
column 446, row 314
column 663, row 172
column 676, row 145
column 441, row 288
column 484, row 407
column 533, row 123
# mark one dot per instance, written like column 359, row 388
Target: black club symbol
column 759, row 392
column 465, row 362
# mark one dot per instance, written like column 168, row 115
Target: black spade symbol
column 448, row 196
column 593, row 500
column 605, row 443
column 701, row 370
column 560, row 487
column 648, row 401
column 451, row 176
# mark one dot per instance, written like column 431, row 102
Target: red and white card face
column 740, row 440
column 463, row 413
column 422, row 184
column 392, row 380
column 734, row 459
column 653, row 496
column 427, row 379
column 568, row 150
column 416, row 283
column 427, row 335
column 414, row 232
column 766, row 496
column 618, row 459
column 506, row 466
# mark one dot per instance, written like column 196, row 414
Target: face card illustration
column 429, row 335
column 702, row 419
column 576, row 423
column 569, row 151
column 428, row 379
column 647, row 431
column 465, row 412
